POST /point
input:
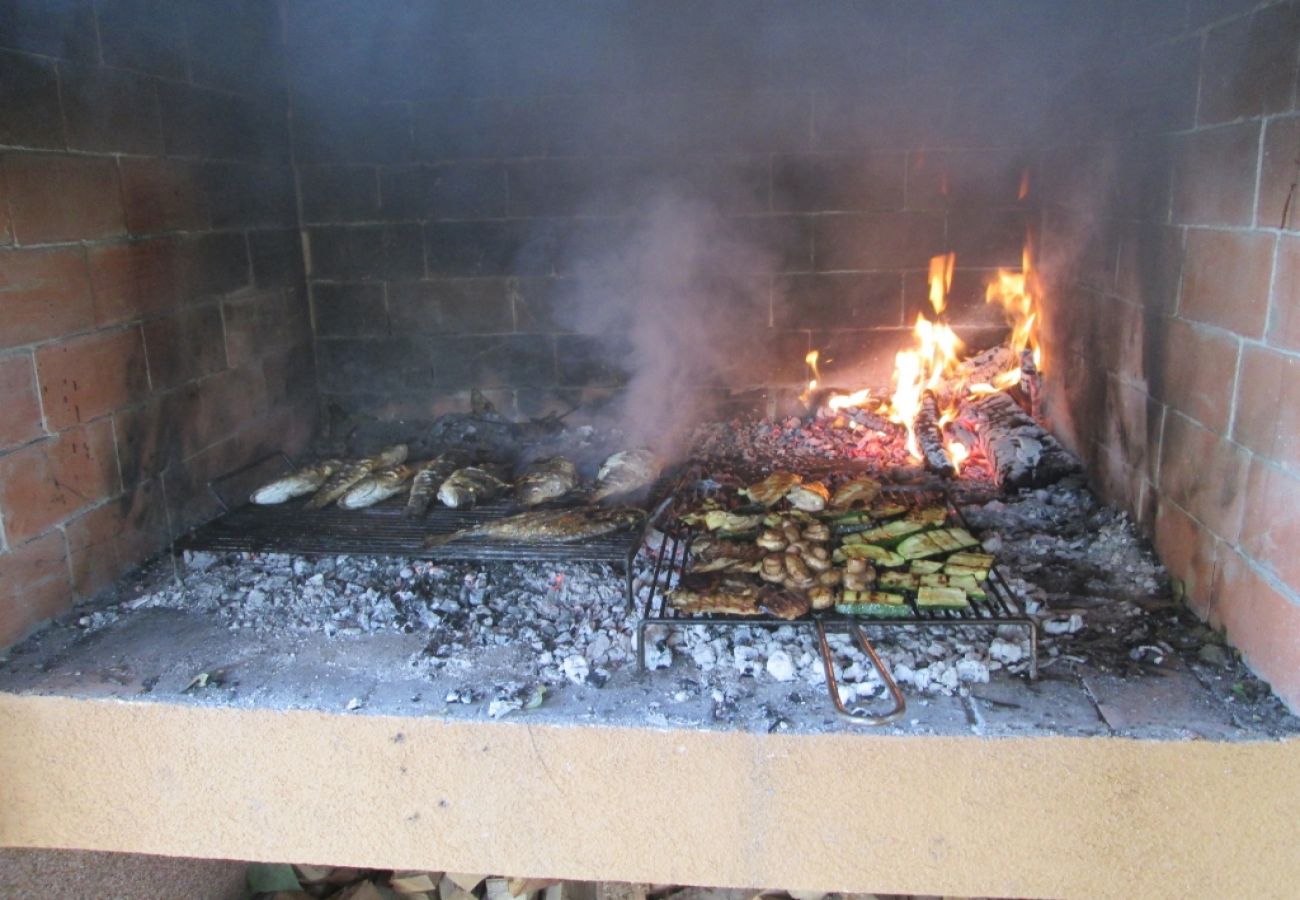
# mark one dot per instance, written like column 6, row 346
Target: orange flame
column 811, row 360
column 857, row 398
column 1015, row 292
column 941, row 280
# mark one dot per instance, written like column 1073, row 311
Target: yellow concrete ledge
column 1039, row 817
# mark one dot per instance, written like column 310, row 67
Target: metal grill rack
column 998, row 610
column 385, row 530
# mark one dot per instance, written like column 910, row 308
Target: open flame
column 1015, row 293
column 934, row 361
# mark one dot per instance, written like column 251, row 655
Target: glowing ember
column 857, row 398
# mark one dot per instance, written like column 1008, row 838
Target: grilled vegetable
column 817, row 558
column 941, row 598
column 427, row 480
column 337, row 485
column 831, row 577
column 974, row 560
column 625, row 472
column 772, row 489
column 890, row 533
column 552, row 525
column 886, row 509
column 928, row 515
column 857, row 492
column 721, row 520
column 809, row 497
column 798, row 572
column 773, row 568
column 295, row 484
column 965, row 582
column 546, row 479
column 469, row 486
column 822, row 597
column 816, row 531
column 771, row 539
column 899, row 581
column 972, row 571
column 934, row 543
column 859, row 581
column 877, row 554
column 875, row 604
column 377, row 487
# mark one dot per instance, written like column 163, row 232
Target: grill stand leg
column 857, row 715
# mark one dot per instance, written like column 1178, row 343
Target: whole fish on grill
column 378, row 487
column 725, row 593
column 295, row 484
column 561, row 526
column 625, row 472
column 546, row 479
column 428, row 478
column 351, row 472
column 469, row 486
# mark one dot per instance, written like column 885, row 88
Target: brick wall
column 153, row 322
column 1172, row 338
column 466, row 170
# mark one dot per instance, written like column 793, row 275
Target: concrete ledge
column 952, row 815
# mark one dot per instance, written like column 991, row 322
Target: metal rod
column 858, row 715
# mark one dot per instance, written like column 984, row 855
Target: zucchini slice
column 941, row 598
column 879, row 555
column 889, row 534
column 875, row 604
column 928, row 515
column 887, row 510
column 966, row 583
column 974, row 560
column 935, row 543
column 925, row 566
column 951, row 568
column 898, row 581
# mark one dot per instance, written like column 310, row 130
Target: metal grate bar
column 385, row 530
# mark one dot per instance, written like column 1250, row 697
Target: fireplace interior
column 240, row 237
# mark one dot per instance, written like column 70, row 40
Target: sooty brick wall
column 489, row 191
column 1172, row 346
column 154, row 328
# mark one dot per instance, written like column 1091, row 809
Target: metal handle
column 858, row 715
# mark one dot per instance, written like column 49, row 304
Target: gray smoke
column 681, row 301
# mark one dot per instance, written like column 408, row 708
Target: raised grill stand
column 997, row 610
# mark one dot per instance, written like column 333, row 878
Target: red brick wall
column 153, row 323
column 465, row 170
column 1173, row 346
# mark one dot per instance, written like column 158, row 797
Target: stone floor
column 83, row 874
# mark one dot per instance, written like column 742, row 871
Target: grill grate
column 997, row 610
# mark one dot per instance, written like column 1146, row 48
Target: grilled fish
column 546, row 479
column 468, row 486
column 858, row 492
column 295, row 484
column 738, row 596
column 377, row 487
column 354, row 471
column 773, row 488
column 625, row 472
column 557, row 525
column 428, row 478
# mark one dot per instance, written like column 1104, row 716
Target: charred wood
column 1030, row 380
column 930, row 438
column 1020, row 451
column 873, row 420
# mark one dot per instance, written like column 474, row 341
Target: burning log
column 1020, row 451
column 819, row 400
column 1030, row 380
column 929, row 437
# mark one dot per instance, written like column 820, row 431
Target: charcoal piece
column 930, row 438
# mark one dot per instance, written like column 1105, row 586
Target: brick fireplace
column 227, row 226
column 472, row 201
